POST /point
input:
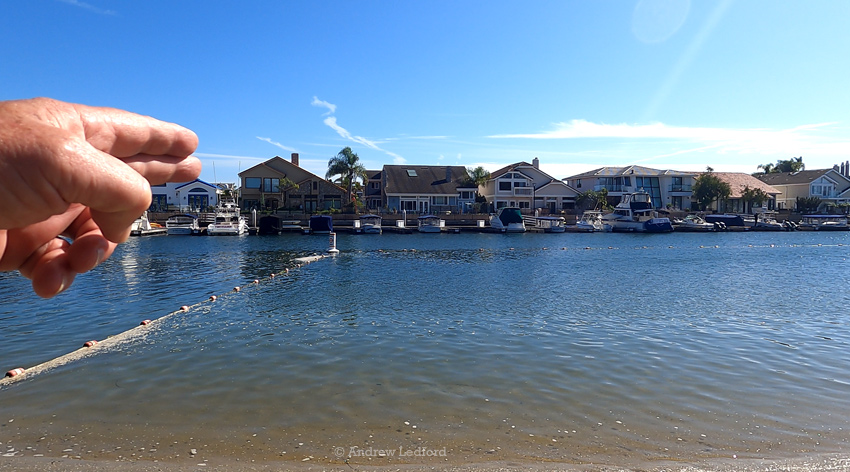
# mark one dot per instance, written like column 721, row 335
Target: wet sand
column 815, row 463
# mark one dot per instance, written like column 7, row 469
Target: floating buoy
column 14, row 372
column 256, row 281
column 213, row 298
column 184, row 308
column 145, row 322
column 90, row 343
column 272, row 276
column 236, row 289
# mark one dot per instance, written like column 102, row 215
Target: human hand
column 83, row 173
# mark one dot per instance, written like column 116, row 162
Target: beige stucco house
column 260, row 188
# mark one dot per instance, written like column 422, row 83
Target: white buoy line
column 93, row 347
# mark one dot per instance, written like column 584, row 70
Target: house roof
column 610, row 171
column 792, row 178
column 738, row 181
column 508, row 168
column 410, row 179
column 277, row 163
column 196, row 181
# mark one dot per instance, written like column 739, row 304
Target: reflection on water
column 567, row 347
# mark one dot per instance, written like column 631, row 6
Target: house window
column 505, row 185
column 159, row 203
column 271, row 185
column 439, row 200
column 525, row 205
column 253, row 182
column 375, row 185
column 315, row 185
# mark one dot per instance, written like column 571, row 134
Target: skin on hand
column 83, row 173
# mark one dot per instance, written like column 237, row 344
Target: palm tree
column 346, row 164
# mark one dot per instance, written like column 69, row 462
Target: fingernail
column 66, row 282
column 100, row 255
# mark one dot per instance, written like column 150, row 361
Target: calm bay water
column 575, row 347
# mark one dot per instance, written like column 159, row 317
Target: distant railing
column 522, row 191
column 680, row 188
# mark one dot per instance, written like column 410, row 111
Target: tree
column 592, row 199
column 346, row 164
column 795, row 164
column 477, row 176
column 754, row 197
column 285, row 184
column 708, row 188
column 808, row 204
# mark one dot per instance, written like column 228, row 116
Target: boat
column 767, row 222
column 725, row 221
column 182, row 225
column 693, row 224
column 591, row 221
column 430, row 224
column 551, row 224
column 269, row 224
column 228, row 221
column 143, row 227
column 824, row 223
column 370, row 224
column 508, row 220
column 635, row 214
column 321, row 224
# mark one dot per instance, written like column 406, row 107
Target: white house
column 194, row 196
column 525, row 186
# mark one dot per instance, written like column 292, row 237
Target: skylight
column 411, row 173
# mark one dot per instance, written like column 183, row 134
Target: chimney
column 536, row 163
column 847, row 169
column 448, row 174
column 295, row 158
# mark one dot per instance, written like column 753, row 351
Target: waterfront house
column 525, row 186
column 425, row 189
column 373, row 193
column 195, row 196
column 738, row 183
column 668, row 188
column 261, row 189
column 830, row 185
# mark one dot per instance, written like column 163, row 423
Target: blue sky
column 670, row 84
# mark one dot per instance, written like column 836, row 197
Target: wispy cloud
column 285, row 148
column 229, row 157
column 89, row 7
column 321, row 103
column 331, row 122
column 723, row 140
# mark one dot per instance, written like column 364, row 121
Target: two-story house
column 738, row 184
column 525, row 186
column 667, row 188
column 426, row 189
column 826, row 184
column 261, row 188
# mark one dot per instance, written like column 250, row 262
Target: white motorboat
column 370, row 224
column 430, row 224
column 635, row 214
column 693, row 223
column 552, row 224
column 591, row 221
column 182, row 225
column 824, row 223
column 228, row 221
column 767, row 222
column 508, row 220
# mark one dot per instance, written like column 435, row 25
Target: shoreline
column 822, row 462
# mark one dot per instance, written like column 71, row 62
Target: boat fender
column 90, row 343
column 184, row 308
column 236, row 289
column 145, row 323
column 213, row 298
column 14, row 372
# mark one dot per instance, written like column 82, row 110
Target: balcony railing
column 680, row 188
column 523, row 191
